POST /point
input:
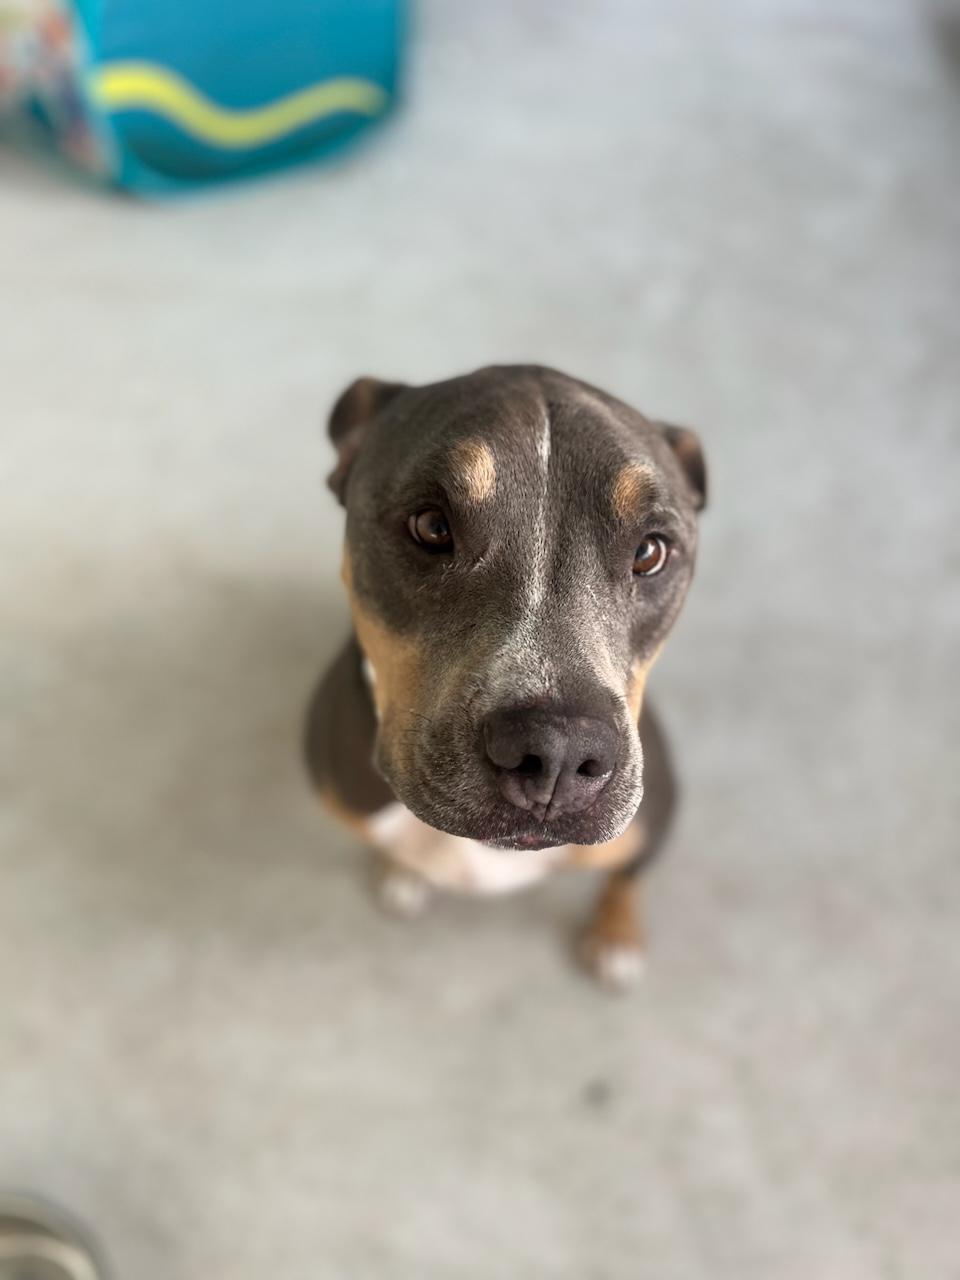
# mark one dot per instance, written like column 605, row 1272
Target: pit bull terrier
column 518, row 546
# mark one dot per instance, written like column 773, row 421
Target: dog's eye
column 651, row 555
column 431, row 530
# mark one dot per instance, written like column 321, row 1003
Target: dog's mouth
column 458, row 792
column 491, row 821
column 529, row 843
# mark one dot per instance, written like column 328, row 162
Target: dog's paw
column 616, row 965
column 402, row 893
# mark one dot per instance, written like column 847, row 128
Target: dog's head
column 518, row 546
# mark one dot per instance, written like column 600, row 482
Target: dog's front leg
column 612, row 944
column 401, row 891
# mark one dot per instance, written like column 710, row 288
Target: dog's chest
column 452, row 862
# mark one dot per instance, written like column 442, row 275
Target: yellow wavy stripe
column 148, row 87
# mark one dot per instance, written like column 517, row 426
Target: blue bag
column 155, row 94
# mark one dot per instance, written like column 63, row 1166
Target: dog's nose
column 550, row 763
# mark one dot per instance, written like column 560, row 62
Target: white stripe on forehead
column 522, row 663
column 521, row 651
column 537, row 586
column 543, row 444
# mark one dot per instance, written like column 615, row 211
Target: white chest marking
column 452, row 862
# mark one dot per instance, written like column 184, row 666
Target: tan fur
column 635, row 687
column 612, row 946
column 637, row 683
column 474, row 464
column 631, row 484
column 616, row 918
column 396, row 660
column 339, row 810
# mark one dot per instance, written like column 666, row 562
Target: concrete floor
column 212, row 1046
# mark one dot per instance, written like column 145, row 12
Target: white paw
column 615, row 965
column 403, row 893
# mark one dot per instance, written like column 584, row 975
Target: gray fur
column 538, row 603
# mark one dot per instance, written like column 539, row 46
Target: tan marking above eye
column 629, row 488
column 474, row 466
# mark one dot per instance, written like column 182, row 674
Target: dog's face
column 518, row 546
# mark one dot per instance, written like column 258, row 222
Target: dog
column 518, row 546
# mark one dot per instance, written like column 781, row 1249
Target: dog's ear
column 686, row 445
column 351, row 415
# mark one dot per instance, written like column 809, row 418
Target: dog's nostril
column 550, row 761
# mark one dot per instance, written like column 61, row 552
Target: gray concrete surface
column 744, row 216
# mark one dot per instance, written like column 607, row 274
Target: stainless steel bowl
column 38, row 1241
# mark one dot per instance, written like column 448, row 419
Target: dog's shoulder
column 339, row 736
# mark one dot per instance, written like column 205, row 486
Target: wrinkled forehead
column 502, row 446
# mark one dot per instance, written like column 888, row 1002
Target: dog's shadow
column 167, row 739
column 167, row 749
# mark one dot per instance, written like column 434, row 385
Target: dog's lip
column 497, row 825
column 531, row 839
column 530, row 842
column 493, row 831
column 526, row 843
